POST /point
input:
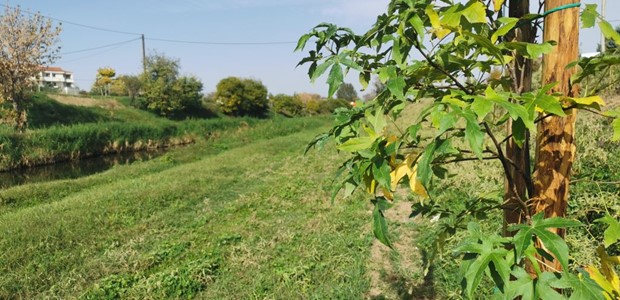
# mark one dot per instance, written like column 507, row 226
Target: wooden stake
column 555, row 140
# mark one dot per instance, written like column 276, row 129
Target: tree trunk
column 555, row 141
column 20, row 117
column 518, row 193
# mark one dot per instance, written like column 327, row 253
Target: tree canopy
column 242, row 97
column 27, row 43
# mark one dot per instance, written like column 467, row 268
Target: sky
column 257, row 36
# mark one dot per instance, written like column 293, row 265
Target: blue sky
column 227, row 21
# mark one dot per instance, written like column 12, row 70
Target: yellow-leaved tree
column 28, row 42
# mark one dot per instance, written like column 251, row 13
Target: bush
column 165, row 93
column 289, row 106
column 242, row 97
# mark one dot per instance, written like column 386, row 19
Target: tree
column 460, row 43
column 165, row 92
column 132, row 85
column 27, row 44
column 242, row 97
column 289, row 106
column 346, row 92
column 104, row 80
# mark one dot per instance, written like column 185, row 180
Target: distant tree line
column 162, row 90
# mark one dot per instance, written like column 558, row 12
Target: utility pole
column 143, row 55
column 603, row 41
column 555, row 141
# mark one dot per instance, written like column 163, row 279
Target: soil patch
column 84, row 101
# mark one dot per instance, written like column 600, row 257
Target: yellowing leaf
column 590, row 100
column 498, row 5
column 596, row 275
column 398, row 174
column 438, row 30
column 606, row 277
column 387, row 194
column 415, row 185
column 476, row 13
column 433, row 16
column 371, row 185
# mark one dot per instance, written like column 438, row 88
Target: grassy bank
column 63, row 132
column 250, row 222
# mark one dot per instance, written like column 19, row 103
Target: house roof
column 55, row 69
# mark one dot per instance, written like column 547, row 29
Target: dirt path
column 85, row 101
column 393, row 273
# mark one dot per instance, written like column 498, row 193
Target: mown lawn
column 245, row 215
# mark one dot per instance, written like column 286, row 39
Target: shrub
column 241, row 97
column 287, row 105
column 165, row 93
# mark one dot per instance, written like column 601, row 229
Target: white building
column 57, row 78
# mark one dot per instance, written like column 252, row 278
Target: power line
column 220, row 43
column 100, row 47
column 93, row 54
column 161, row 39
column 77, row 24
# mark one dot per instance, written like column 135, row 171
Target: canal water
column 73, row 169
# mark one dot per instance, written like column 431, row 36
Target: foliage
column 242, row 97
column 28, row 42
column 132, row 85
column 286, row 105
column 459, row 44
column 104, row 81
column 165, row 92
column 606, row 276
column 346, row 92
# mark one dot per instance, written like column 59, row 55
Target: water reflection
column 72, row 169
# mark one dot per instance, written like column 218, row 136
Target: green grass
column 253, row 221
column 60, row 132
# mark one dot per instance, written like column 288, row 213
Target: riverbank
column 62, row 132
column 243, row 215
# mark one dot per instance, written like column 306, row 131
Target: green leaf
column 539, row 227
column 536, row 50
column 364, row 78
column 320, row 69
column 351, row 64
column 418, row 26
column 507, row 25
column 616, row 126
column 612, row 233
column 523, row 286
column 446, row 122
column 609, row 32
column 381, row 172
column 515, row 111
column 335, row 79
column 583, row 286
column 357, row 144
column 486, row 44
column 549, row 104
column 589, row 15
column 301, row 44
column 518, row 132
column 376, row 119
column 473, row 135
column 475, row 13
column 397, row 87
column 544, row 287
column 482, row 107
column 387, row 73
column 379, row 227
column 424, row 163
